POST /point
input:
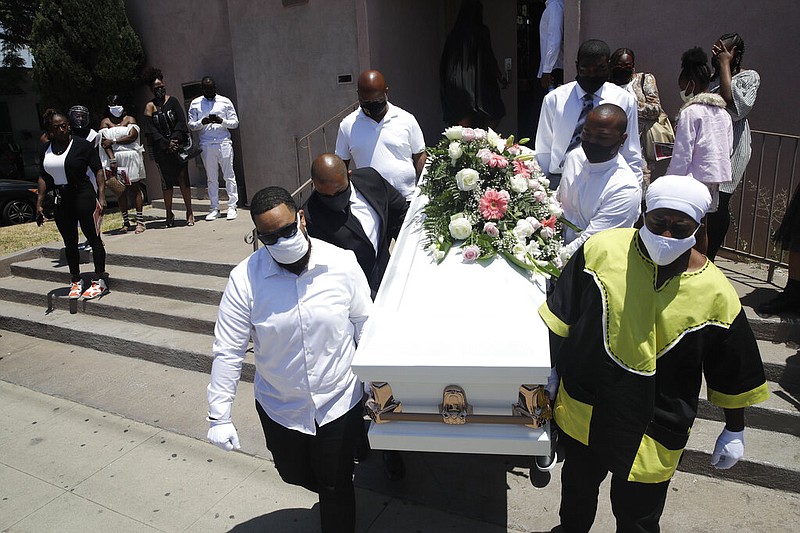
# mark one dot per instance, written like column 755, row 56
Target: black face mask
column 621, row 76
column 160, row 93
column 590, row 84
column 338, row 202
column 597, row 153
column 374, row 109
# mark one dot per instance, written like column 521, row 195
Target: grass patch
column 22, row 236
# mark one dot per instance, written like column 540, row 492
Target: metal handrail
column 761, row 202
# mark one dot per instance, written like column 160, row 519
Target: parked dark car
column 17, row 201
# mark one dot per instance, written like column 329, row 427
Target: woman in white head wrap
column 639, row 318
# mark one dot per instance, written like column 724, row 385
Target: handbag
column 113, row 183
column 659, row 132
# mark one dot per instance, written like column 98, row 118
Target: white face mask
column 664, row 250
column 289, row 250
column 686, row 97
column 116, row 110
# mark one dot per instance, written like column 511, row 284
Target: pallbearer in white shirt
column 598, row 190
column 213, row 115
column 303, row 302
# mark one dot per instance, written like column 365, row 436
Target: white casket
column 471, row 325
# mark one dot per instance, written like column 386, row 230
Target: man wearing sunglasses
column 304, row 303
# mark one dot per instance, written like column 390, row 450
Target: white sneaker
column 98, row 288
column 231, row 213
column 213, row 215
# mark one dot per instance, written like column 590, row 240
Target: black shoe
column 393, row 465
column 783, row 303
column 545, row 463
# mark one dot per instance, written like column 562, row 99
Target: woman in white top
column 64, row 163
column 121, row 154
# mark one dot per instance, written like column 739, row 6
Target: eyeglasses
column 286, row 232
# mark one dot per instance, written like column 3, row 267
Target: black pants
column 636, row 506
column 717, row 225
column 322, row 463
column 77, row 207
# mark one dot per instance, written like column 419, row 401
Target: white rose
column 460, row 228
column 496, row 141
column 480, row 134
column 518, row 183
column 555, row 209
column 454, row 150
column 534, row 184
column 544, row 181
column 523, row 229
column 438, row 255
column 533, row 221
column 467, row 179
column 547, row 233
column 453, row 133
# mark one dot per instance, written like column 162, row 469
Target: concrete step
column 780, row 413
column 771, row 459
column 785, row 328
column 781, row 362
column 117, row 305
column 164, row 345
column 169, row 264
column 195, row 288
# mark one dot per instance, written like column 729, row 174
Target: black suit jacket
column 343, row 230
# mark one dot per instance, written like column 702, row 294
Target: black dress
column 788, row 233
column 167, row 123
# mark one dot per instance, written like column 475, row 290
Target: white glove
column 728, row 450
column 552, row 383
column 223, row 434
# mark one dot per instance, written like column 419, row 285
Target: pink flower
column 490, row 229
column 471, row 253
column 485, row 155
column 520, row 168
column 550, row 223
column 497, row 161
column 533, row 222
column 468, row 134
column 514, row 149
column 493, row 204
column 540, row 196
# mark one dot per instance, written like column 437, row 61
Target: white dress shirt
column 551, row 28
column 386, row 146
column 560, row 112
column 366, row 216
column 213, row 133
column 597, row 196
column 304, row 329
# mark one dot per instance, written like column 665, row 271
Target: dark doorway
column 529, row 93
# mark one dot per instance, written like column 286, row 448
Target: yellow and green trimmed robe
column 632, row 355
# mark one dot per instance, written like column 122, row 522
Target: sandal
column 170, row 219
column 123, row 229
column 190, row 220
column 140, row 227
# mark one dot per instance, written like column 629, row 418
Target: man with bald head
column 382, row 136
column 355, row 210
column 598, row 189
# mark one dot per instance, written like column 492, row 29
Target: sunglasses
column 286, row 232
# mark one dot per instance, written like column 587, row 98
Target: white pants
column 216, row 156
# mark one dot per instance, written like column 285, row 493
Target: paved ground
column 95, row 442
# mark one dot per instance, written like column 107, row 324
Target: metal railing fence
column 758, row 205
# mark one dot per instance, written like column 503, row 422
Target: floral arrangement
column 489, row 194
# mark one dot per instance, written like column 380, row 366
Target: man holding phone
column 213, row 115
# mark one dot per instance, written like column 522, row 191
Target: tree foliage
column 83, row 51
column 16, row 19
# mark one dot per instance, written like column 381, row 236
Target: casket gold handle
column 533, row 403
column 454, row 407
column 382, row 402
